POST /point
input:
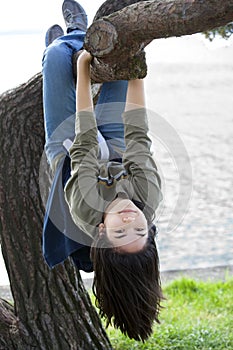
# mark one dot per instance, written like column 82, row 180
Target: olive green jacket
column 94, row 184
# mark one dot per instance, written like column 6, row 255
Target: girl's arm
column 81, row 190
column 135, row 95
column 83, row 89
column 138, row 159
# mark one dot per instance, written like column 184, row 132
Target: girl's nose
column 128, row 218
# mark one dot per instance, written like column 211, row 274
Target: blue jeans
column 59, row 100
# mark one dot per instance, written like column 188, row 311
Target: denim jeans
column 59, row 100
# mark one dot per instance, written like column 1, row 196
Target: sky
column 29, row 16
column 23, row 25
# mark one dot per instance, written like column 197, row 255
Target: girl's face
column 125, row 225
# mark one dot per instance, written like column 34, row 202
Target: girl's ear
column 101, row 229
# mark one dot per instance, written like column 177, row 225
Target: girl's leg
column 59, row 91
column 109, row 109
column 59, row 99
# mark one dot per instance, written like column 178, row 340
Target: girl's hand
column 85, row 56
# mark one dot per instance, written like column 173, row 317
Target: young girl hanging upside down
column 106, row 187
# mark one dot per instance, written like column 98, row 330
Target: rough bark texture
column 52, row 309
column 118, row 40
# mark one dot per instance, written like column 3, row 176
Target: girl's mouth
column 127, row 211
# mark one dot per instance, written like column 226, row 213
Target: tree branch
column 117, row 41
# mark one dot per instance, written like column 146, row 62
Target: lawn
column 196, row 315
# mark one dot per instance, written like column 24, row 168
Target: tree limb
column 117, row 41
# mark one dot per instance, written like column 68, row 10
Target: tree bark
column 52, row 309
column 118, row 40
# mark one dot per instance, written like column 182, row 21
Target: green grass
column 197, row 315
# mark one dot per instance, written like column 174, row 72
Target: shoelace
column 70, row 15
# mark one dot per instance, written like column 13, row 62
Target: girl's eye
column 139, row 229
column 119, row 231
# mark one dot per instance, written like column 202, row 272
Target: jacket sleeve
column 138, row 160
column 81, row 190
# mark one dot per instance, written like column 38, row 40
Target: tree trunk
column 52, row 309
column 117, row 41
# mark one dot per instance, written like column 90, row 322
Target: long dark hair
column 127, row 286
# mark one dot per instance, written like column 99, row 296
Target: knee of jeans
column 55, row 55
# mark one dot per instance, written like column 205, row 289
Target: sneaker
column 74, row 15
column 53, row 33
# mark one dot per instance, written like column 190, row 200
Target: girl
column 111, row 186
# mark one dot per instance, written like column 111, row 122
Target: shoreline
column 210, row 274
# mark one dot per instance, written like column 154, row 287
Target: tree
column 52, row 309
column 225, row 32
